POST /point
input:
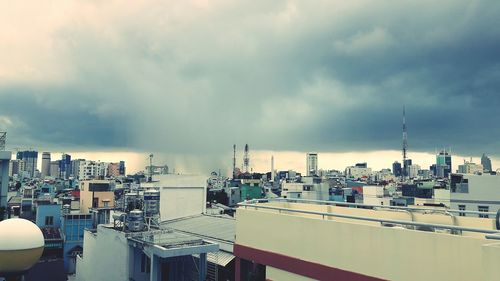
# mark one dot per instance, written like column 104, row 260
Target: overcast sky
column 190, row 78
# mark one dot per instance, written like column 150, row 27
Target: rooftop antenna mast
column 405, row 144
column 150, row 167
column 3, row 136
column 234, row 161
column 246, row 159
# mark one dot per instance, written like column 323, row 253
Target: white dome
column 20, row 234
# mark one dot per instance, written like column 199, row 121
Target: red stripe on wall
column 298, row 266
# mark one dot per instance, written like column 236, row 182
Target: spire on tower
column 405, row 144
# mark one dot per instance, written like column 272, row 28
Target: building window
column 461, row 208
column 483, row 209
column 49, row 220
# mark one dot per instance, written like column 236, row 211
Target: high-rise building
column 443, row 164
column 312, row 164
column 30, row 159
column 92, row 170
column 75, row 167
column 470, row 168
column 486, row 162
column 396, row 169
column 55, row 169
column 116, row 169
column 16, row 167
column 45, row 164
column 413, row 171
column 65, row 166
column 121, row 168
column 406, row 167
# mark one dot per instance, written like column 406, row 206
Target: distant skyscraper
column 312, row 164
column 116, row 169
column 443, row 164
column 486, row 162
column 45, row 164
column 65, row 166
column 30, row 159
column 121, row 168
column 396, row 169
column 55, row 169
column 16, row 167
column 406, row 167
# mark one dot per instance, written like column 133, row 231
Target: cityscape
column 249, row 141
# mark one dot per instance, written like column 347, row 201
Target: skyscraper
column 312, row 164
column 396, row 169
column 121, row 168
column 45, row 164
column 30, row 159
column 443, row 164
column 65, row 166
column 486, row 162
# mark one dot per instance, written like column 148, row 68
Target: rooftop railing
column 368, row 206
column 489, row 233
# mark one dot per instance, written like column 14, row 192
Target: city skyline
column 260, row 161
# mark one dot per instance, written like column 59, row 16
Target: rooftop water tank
column 151, row 202
column 21, row 245
column 135, row 220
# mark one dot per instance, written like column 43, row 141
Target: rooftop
column 220, row 229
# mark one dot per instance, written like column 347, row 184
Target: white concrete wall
column 442, row 196
column 181, row 195
column 105, row 256
column 367, row 248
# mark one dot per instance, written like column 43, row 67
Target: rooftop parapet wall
column 383, row 252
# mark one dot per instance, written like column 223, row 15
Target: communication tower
column 246, row 159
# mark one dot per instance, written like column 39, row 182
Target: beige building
column 96, row 194
column 299, row 241
column 113, row 170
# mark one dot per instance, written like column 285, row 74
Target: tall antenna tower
column 3, row 136
column 246, row 159
column 150, row 168
column 234, row 161
column 405, row 144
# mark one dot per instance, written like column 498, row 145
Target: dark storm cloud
column 329, row 76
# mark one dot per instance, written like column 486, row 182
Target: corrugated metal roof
column 221, row 258
column 215, row 227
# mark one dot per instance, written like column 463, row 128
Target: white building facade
column 470, row 192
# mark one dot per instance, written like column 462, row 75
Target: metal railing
column 360, row 205
column 251, row 204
